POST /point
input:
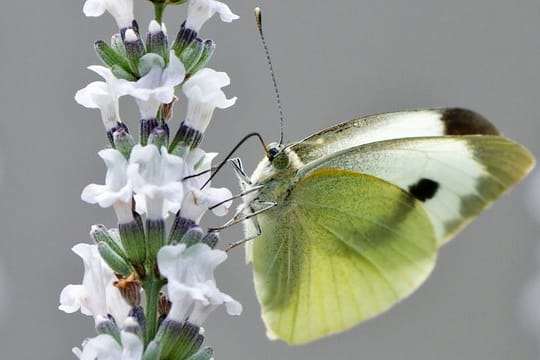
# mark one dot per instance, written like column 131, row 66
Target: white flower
column 156, row 86
column 96, row 295
column 105, row 347
column 121, row 10
column 204, row 94
column 191, row 284
column 117, row 191
column 197, row 201
column 103, row 95
column 199, row 11
column 156, row 177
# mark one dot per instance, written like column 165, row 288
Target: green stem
column 158, row 12
column 151, row 286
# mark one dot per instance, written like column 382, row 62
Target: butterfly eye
column 280, row 161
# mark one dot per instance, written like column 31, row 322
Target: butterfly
column 348, row 221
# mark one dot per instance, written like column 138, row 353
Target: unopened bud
column 134, row 49
column 186, row 137
column 156, row 41
column 118, row 264
column 180, row 226
column 123, row 141
column 184, row 38
column 99, row 233
column 133, row 241
column 211, row 239
column 192, row 54
column 178, row 340
column 203, row 354
column 192, row 236
column 152, row 351
column 159, row 136
column 110, row 56
column 208, row 51
column 106, row 325
column 132, row 325
column 147, row 125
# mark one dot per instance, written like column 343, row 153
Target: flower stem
column 158, row 12
column 152, row 286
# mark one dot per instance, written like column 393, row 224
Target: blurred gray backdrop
column 334, row 60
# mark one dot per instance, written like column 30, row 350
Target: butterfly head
column 277, row 157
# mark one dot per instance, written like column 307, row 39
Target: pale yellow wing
column 342, row 248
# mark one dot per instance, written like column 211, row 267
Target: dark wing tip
column 466, row 122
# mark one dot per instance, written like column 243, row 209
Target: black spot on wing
column 424, row 189
column 465, row 122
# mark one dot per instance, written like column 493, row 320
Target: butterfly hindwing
column 342, row 248
column 455, row 177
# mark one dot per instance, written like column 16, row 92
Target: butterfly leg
column 258, row 231
column 267, row 205
column 253, row 216
column 242, row 194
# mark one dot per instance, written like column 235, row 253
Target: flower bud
column 203, row 354
column 114, row 260
column 186, row 138
column 184, row 38
column 106, row 325
column 180, row 226
column 147, row 126
column 110, row 56
column 132, row 324
column 156, row 41
column 192, row 236
column 152, row 351
column 159, row 136
column 192, row 54
column 133, row 241
column 208, row 50
column 134, row 49
column 123, row 141
column 99, row 233
column 155, row 237
column 178, row 340
column 211, row 239
column 117, row 43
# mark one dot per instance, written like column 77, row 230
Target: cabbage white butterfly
column 348, row 221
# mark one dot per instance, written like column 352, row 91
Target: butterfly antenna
column 258, row 19
column 244, row 139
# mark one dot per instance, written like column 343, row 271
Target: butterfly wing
column 342, row 248
column 455, row 177
column 396, row 125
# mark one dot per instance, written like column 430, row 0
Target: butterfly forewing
column 396, row 125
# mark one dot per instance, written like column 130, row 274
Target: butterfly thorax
column 277, row 180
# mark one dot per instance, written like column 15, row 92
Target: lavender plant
column 149, row 290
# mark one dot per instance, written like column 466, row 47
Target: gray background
column 335, row 60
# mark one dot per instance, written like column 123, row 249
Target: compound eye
column 280, row 161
